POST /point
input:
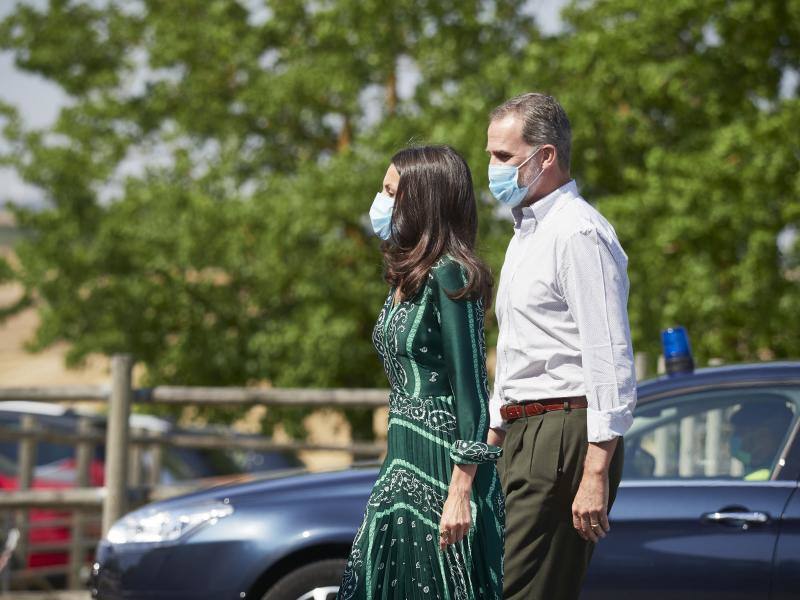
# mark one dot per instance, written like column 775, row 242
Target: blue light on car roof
column 677, row 351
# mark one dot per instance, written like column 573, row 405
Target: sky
column 40, row 101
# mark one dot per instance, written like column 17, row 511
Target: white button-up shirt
column 562, row 311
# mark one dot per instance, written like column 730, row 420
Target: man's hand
column 590, row 506
column 496, row 436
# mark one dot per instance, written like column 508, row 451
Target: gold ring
column 444, row 534
column 593, row 525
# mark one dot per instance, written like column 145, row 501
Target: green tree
column 240, row 253
column 684, row 137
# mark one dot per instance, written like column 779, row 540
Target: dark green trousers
column 541, row 469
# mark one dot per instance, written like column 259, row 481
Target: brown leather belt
column 514, row 411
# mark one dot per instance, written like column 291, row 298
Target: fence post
column 156, row 460
column 83, row 462
column 117, row 433
column 640, row 365
column 135, row 451
column 27, row 466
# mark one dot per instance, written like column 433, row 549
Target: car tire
column 321, row 577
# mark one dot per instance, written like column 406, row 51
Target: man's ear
column 550, row 156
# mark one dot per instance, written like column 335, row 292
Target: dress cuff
column 470, row 452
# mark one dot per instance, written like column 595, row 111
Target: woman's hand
column 456, row 519
column 457, row 513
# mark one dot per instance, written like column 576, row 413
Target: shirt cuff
column 495, row 420
column 605, row 425
column 470, row 452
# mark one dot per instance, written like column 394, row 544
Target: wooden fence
column 94, row 509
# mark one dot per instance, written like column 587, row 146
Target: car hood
column 282, row 488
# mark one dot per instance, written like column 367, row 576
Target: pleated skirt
column 395, row 554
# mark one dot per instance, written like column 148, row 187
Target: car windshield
column 195, row 463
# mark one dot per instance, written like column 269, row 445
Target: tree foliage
column 207, row 184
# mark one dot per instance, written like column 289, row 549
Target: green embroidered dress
column 433, row 351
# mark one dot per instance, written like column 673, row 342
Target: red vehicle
column 56, row 468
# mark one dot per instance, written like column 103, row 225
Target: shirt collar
column 536, row 212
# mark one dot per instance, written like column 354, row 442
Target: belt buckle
column 536, row 408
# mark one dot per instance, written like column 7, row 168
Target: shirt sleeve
column 595, row 285
column 495, row 419
column 464, row 353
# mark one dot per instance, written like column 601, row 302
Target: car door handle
column 745, row 519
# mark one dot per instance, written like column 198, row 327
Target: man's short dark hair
column 544, row 121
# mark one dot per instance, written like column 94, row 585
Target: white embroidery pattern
column 404, row 482
column 422, row 410
column 480, row 317
column 390, row 332
column 501, row 507
column 470, row 451
column 350, row 576
column 457, row 573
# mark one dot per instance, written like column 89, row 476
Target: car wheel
column 318, row 581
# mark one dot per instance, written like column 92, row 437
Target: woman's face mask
column 382, row 209
column 380, row 214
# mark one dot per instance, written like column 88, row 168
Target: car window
column 721, row 434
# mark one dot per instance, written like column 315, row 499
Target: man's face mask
column 504, row 182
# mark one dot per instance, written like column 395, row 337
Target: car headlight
column 156, row 525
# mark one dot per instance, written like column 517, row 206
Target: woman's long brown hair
column 434, row 214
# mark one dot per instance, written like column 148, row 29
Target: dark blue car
column 708, row 508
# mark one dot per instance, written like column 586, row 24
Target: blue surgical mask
column 380, row 213
column 504, row 185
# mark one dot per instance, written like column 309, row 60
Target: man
column 564, row 381
column 758, row 430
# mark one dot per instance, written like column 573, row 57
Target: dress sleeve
column 464, row 353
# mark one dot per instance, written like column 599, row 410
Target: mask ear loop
column 535, row 152
column 535, row 179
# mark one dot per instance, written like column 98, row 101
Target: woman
column 433, row 526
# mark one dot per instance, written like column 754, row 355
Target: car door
column 786, row 564
column 697, row 516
